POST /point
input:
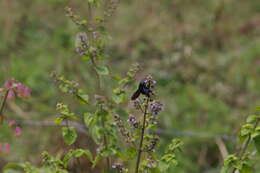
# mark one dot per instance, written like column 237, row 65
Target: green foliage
column 248, row 133
column 76, row 154
column 69, row 134
column 204, row 56
column 169, row 158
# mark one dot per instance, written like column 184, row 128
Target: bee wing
column 135, row 95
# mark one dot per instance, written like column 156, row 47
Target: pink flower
column 11, row 94
column 22, row 91
column 9, row 84
column 18, row 131
column 12, row 123
column 16, row 88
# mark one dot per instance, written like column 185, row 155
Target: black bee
column 144, row 88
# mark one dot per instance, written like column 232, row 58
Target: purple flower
column 155, row 108
column 80, row 51
column 82, row 37
column 132, row 120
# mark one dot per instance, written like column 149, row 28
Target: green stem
column 75, row 147
column 102, row 119
column 142, row 137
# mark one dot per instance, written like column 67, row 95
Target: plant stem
column 75, row 147
column 142, row 137
column 102, row 120
column 99, row 80
column 246, row 144
column 2, row 107
column 105, row 142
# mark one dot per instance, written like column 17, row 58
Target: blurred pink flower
column 11, row 94
column 18, row 131
column 9, row 84
column 22, row 90
column 16, row 88
column 5, row 147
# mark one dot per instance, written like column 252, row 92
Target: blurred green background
column 204, row 54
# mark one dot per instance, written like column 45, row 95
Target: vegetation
column 193, row 66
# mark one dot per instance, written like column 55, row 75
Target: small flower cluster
column 119, row 168
column 17, row 129
column 5, row 147
column 88, row 44
column 132, row 121
column 156, row 107
column 121, row 127
column 15, row 88
column 150, row 82
column 82, row 43
column 66, row 86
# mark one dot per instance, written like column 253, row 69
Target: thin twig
column 142, row 137
column 3, row 106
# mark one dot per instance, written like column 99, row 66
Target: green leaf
column 77, row 153
column 246, row 169
column 83, row 98
column 119, row 95
column 257, row 143
column 102, row 70
column 246, row 130
column 86, row 57
column 58, row 120
column 95, row 134
column 163, row 166
column 14, row 166
column 251, row 119
column 88, row 120
column 69, row 134
column 101, row 29
column 83, row 22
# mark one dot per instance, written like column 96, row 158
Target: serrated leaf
column 69, row 134
column 102, row 70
